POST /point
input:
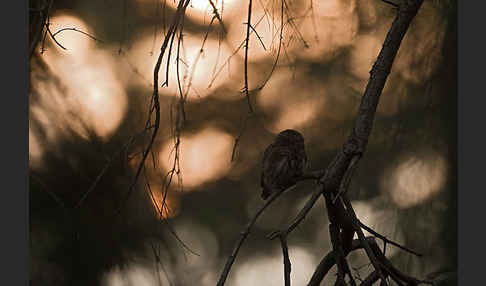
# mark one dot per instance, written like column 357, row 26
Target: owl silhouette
column 284, row 162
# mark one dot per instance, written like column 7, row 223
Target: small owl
column 284, row 162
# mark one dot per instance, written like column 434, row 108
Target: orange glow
column 75, row 43
column 205, row 156
column 303, row 99
column 170, row 207
column 89, row 93
column 421, row 50
column 196, row 70
column 202, row 11
column 334, row 25
column 363, row 55
column 266, row 29
column 35, row 150
column 416, row 180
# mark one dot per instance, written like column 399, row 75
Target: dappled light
column 382, row 219
column 264, row 42
column 75, row 43
column 203, row 66
column 165, row 205
column 205, row 156
column 95, row 117
column 426, row 36
column 132, row 275
column 202, row 10
column 295, row 99
column 327, row 27
column 416, row 179
column 35, row 150
column 89, row 95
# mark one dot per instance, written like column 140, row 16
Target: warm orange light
column 35, row 150
column 205, row 156
column 89, row 94
column 164, row 208
column 421, row 50
column 333, row 25
column 267, row 28
column 200, row 72
column 202, row 10
column 297, row 100
column 76, row 44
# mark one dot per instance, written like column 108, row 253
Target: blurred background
column 90, row 96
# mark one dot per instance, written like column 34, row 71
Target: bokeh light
column 268, row 270
column 415, row 179
column 132, row 275
column 329, row 26
column 201, row 68
column 205, row 156
column 202, row 10
column 304, row 98
column 76, row 43
column 164, row 208
column 89, row 96
column 421, row 50
column 35, row 150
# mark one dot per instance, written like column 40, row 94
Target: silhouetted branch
column 386, row 240
column 328, row 262
column 286, row 259
column 370, row 279
column 76, row 30
column 181, row 9
column 247, row 40
column 243, row 236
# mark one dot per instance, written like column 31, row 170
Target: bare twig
column 258, row 36
column 370, row 279
column 247, row 40
column 286, row 259
column 390, row 3
column 243, row 236
column 79, row 31
column 343, row 187
column 181, row 9
column 369, row 252
column 279, row 46
column 217, row 15
column 386, row 240
column 328, row 262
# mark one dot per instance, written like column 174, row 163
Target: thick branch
column 328, row 262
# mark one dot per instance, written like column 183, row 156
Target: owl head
column 289, row 136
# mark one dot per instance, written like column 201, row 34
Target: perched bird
column 284, row 162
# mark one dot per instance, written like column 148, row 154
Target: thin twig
column 79, row 31
column 386, row 240
column 286, row 259
column 279, row 47
column 247, row 40
column 243, row 236
column 361, row 236
column 258, row 36
column 179, row 13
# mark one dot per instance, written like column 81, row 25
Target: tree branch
column 286, row 260
column 243, row 236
